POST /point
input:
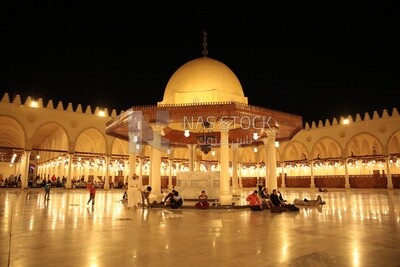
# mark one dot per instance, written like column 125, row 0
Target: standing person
column 133, row 192
column 92, row 193
column 47, row 191
column 145, row 197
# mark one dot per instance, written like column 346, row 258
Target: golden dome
column 203, row 80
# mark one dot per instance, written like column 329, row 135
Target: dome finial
column 205, row 51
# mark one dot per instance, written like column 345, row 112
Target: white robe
column 133, row 192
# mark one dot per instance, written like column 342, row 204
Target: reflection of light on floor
column 356, row 256
column 284, row 253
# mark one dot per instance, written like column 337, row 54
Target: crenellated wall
column 38, row 103
column 350, row 119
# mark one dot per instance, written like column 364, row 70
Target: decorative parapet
column 79, row 109
column 358, row 118
column 385, row 114
column 32, row 102
column 327, row 122
column 69, row 108
column 88, row 110
column 60, row 106
column 50, row 104
column 17, row 100
column 6, row 98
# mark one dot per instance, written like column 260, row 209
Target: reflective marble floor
column 354, row 228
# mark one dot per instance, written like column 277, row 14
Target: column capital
column 158, row 128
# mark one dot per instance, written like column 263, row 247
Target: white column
column 388, row 173
column 87, row 172
column 25, row 169
column 240, row 175
column 312, row 185
column 107, row 174
column 346, row 175
column 235, row 181
column 271, row 162
column 170, row 187
column 69, row 170
column 283, row 185
column 191, row 163
column 225, row 194
column 155, row 164
column 132, row 165
column 141, row 171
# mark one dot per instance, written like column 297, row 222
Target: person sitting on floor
column 255, row 201
column 265, row 198
column 203, row 201
column 176, row 201
column 167, row 198
column 277, row 205
column 307, row 202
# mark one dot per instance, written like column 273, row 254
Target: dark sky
column 317, row 61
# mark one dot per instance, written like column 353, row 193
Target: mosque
column 203, row 133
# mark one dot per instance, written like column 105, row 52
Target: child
column 145, row 197
column 47, row 191
column 92, row 192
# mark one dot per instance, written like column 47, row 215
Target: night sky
column 314, row 60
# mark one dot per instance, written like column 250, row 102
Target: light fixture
column 213, row 152
column 187, row 133
column 135, row 138
column 276, row 144
column 207, row 138
column 255, row 136
column 255, row 150
column 346, row 121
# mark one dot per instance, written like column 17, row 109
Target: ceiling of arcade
column 363, row 147
column 50, row 141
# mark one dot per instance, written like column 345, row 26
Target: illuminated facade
column 346, row 152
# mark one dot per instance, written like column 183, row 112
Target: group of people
column 173, row 199
column 134, row 190
column 259, row 201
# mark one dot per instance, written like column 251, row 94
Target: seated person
column 281, row 198
column 265, row 198
column 277, row 203
column 255, row 201
column 203, row 201
column 264, row 193
column 145, row 197
column 176, row 201
column 167, row 198
column 307, row 202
